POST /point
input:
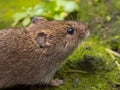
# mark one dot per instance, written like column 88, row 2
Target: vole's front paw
column 56, row 82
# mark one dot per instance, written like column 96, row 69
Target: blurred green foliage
column 8, row 8
column 55, row 9
column 95, row 64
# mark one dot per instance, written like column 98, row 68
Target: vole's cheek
column 68, row 37
column 71, row 38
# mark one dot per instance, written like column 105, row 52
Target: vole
column 31, row 55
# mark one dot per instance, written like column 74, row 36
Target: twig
column 111, row 53
column 118, row 65
column 76, row 71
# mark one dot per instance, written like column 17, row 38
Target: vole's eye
column 70, row 30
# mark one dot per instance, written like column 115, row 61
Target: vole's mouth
column 87, row 34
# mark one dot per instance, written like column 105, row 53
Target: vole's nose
column 84, row 31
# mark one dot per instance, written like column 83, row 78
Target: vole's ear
column 38, row 19
column 41, row 40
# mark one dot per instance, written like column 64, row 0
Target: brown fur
column 22, row 61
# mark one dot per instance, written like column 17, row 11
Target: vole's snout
column 84, row 31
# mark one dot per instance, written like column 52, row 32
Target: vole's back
column 16, row 54
column 22, row 61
